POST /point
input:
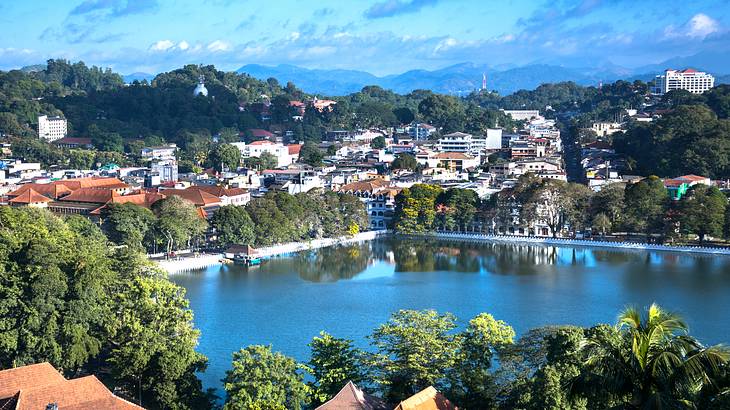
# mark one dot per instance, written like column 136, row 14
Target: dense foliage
column 69, row 298
column 644, row 362
column 642, row 208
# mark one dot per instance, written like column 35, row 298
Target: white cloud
column 162, row 45
column 183, row 45
column 445, row 44
column 294, row 36
column 699, row 26
column 702, row 25
column 219, row 45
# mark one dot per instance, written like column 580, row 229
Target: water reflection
column 384, row 257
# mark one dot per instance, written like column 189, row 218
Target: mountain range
column 461, row 79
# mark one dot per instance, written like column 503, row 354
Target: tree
column 444, row 112
column 649, row 361
column 333, row 363
column 646, row 203
column 267, row 160
column 311, row 154
column 260, row 377
column 609, row 201
column 225, row 157
column 415, row 208
column 153, row 351
column 233, row 225
column 404, row 115
column 128, row 224
column 415, row 349
column 602, row 223
column 473, row 385
column 702, row 211
column 378, row 142
column 405, row 161
column 461, row 203
column 178, row 222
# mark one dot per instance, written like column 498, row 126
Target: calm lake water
column 349, row 290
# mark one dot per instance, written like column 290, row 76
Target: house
column 379, row 198
column 427, row 399
column 228, row 196
column 452, row 161
column 421, row 131
column 603, row 129
column 40, row 386
column 350, row 397
column 259, row 134
column 679, row 186
column 293, row 181
column 257, row 148
column 71, row 142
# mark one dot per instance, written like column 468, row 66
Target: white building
column 689, row 79
column 473, row 145
column 52, row 128
column 256, row 148
column 521, row 115
column 603, row 129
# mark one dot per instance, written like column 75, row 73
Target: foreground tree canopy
column 69, row 298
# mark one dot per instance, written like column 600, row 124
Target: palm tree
column 648, row 363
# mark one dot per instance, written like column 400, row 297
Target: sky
column 379, row 36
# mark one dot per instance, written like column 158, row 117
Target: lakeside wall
column 571, row 242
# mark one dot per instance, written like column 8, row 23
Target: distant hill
column 130, row 78
column 466, row 77
column 456, row 79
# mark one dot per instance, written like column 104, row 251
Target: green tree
column 646, row 203
column 333, row 363
column 415, row 208
column 225, row 157
column 378, row 142
column 178, row 222
column 602, row 223
column 233, row 225
column 444, row 112
column 153, row 351
column 649, row 362
column 473, row 385
column 703, row 211
column 128, row 224
column 405, row 161
column 260, row 378
column 414, row 350
column 311, row 154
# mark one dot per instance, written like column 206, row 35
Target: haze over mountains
column 460, row 79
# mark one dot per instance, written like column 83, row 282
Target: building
column 523, row 115
column 379, row 198
column 421, row 131
column 52, row 128
column 162, row 152
column 696, row 82
column 200, row 88
column 603, row 129
column 165, row 168
column 351, row 397
column 70, row 142
column 257, row 148
column 473, row 145
column 679, row 186
column 40, row 386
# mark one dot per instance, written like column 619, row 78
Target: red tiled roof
column 262, row 142
column 259, row 133
column 35, row 386
column 692, row 177
column 90, row 195
column 452, row 155
column 52, row 190
column 370, row 185
column 30, row 196
column 294, row 149
column 196, row 196
column 219, row 191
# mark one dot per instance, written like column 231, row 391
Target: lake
column 349, row 290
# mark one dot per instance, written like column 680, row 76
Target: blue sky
column 380, row 36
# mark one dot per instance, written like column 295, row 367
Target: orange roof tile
column 452, row 155
column 52, row 190
column 370, row 185
column 351, row 397
column 90, row 195
column 30, row 196
column 196, row 196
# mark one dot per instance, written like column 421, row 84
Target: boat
column 247, row 260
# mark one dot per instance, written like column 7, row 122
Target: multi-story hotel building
column 689, row 79
column 52, row 128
